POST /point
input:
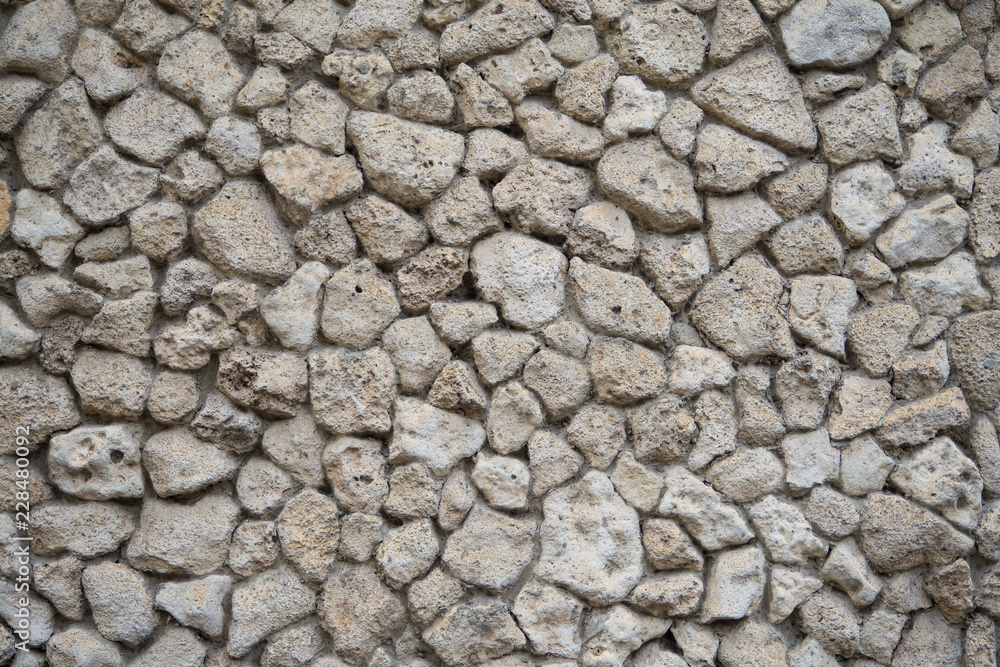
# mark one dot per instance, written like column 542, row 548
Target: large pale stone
column 737, row 310
column 239, row 231
column 758, row 95
column 408, row 162
column 523, row 276
column 432, row 436
column 590, row 541
column 842, row 33
column 651, row 185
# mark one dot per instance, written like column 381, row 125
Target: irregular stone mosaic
column 512, row 333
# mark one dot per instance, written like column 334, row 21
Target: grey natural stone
column 811, row 38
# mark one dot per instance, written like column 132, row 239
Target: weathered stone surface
column 650, row 185
column 523, row 276
column 758, row 95
column 618, row 304
column 752, row 326
column 405, row 161
column 238, row 230
column 436, row 438
column 176, row 538
column 897, row 535
column 815, row 33
column 587, row 534
column 662, row 43
column 352, row 392
column 491, row 549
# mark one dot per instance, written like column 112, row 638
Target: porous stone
column 751, row 288
column 405, row 161
column 578, row 553
column 812, row 36
column 782, row 119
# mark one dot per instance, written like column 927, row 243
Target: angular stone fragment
column 152, row 126
column 474, row 632
column 38, row 40
column 877, row 337
column 199, row 70
column 947, row 288
column 830, row 619
column 931, row 640
column 197, row 603
column 318, row 116
column 940, row 476
column 753, row 641
column 610, row 635
column 820, row 308
column 431, row 275
column 713, row 523
column 949, row 89
column 490, row 549
column 649, row 184
column 735, row 584
column 178, row 463
column 352, row 392
column 173, row 538
column 83, row 529
column 359, row 611
column 436, row 438
column 859, row 405
column 929, row 232
column 407, row 162
column 624, row 372
column 862, row 198
column 840, row 34
column 737, row 311
column 541, row 196
column 897, row 535
column 979, row 136
column 785, row 533
column 861, row 127
column 122, row 607
column 264, row 604
column 847, row 568
column 42, row 225
column 554, row 135
column 552, row 461
column 950, row 586
column 111, row 385
column 495, row 27
column 758, row 95
column 727, row 161
column 117, row 278
column 239, row 231
column 590, row 541
column 662, row 43
column 306, row 180
column 676, row 264
column 292, row 310
column 143, row 26
column 550, row 618
column 525, row 277
column 788, row 588
column 271, row 382
column 810, row 459
column 618, row 304
column 78, row 646
column 918, row 421
column 932, row 167
column 736, row 224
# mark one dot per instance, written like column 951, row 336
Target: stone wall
column 499, row 333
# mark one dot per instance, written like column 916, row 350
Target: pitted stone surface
column 441, row 333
